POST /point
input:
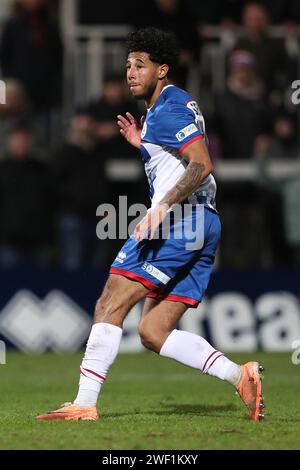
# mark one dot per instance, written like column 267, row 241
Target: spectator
column 113, row 101
column 175, row 16
column 283, row 143
column 271, row 56
column 279, row 203
column 241, row 117
column 27, row 204
column 241, row 114
column 80, row 169
column 15, row 108
column 31, row 51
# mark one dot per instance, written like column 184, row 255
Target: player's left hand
column 147, row 227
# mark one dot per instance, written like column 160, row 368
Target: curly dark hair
column 162, row 46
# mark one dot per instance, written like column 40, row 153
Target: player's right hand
column 130, row 129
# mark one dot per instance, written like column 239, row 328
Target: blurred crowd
column 49, row 193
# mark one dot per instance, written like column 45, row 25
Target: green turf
column 148, row 402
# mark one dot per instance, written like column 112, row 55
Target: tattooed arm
column 198, row 169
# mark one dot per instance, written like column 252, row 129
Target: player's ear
column 163, row 71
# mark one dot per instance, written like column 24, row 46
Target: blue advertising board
column 242, row 311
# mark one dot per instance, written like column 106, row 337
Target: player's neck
column 159, row 87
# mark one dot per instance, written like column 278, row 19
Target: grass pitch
column 148, row 402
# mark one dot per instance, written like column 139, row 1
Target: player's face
column 142, row 74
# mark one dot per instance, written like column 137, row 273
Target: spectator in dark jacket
column 272, row 60
column 113, row 100
column 80, row 169
column 27, row 204
column 241, row 114
column 31, row 51
column 175, row 16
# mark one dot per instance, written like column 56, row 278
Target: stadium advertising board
column 243, row 311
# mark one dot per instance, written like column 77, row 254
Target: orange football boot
column 71, row 412
column 250, row 390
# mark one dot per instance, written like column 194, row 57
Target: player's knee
column 150, row 337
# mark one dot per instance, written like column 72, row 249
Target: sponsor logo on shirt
column 153, row 271
column 121, row 256
column 186, row 131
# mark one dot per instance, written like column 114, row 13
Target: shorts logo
column 121, row 256
column 186, row 131
column 153, row 271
